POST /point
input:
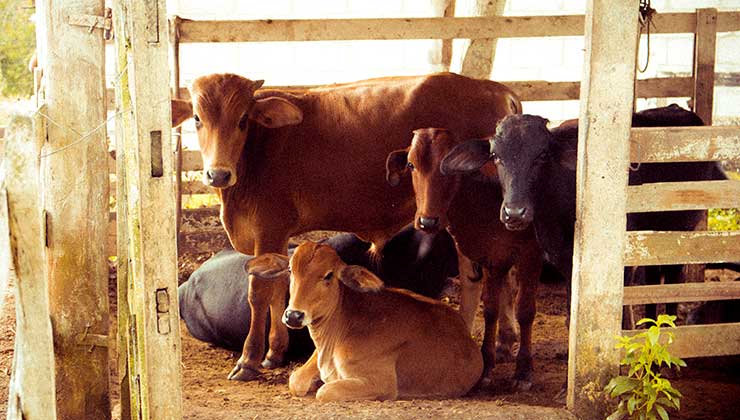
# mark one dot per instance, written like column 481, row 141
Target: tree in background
column 16, row 47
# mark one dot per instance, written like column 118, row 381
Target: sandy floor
column 711, row 386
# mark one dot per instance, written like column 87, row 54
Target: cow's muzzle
column 428, row 224
column 218, row 178
column 516, row 217
column 294, row 319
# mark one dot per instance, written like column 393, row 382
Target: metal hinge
column 92, row 340
column 95, row 22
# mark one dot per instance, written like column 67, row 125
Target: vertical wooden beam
column 123, row 129
column 444, row 8
column 705, row 42
column 603, row 161
column 154, row 346
column 32, row 389
column 705, row 49
column 479, row 53
column 175, row 64
column 75, row 195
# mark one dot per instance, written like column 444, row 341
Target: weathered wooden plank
column 75, row 192
column 118, row 240
column 32, row 388
column 685, row 292
column 705, row 42
column 421, row 28
column 175, row 58
column 606, row 109
column 671, row 196
column 685, row 144
column 660, row 248
column 380, row 29
column 188, row 188
column 702, row 340
column 155, row 348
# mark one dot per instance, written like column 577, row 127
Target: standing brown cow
column 290, row 162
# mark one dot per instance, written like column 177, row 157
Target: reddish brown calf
column 464, row 205
column 371, row 342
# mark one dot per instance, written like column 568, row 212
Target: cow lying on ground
column 290, row 162
column 371, row 342
column 536, row 169
column 464, row 205
column 214, row 302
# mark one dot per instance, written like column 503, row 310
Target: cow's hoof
column 561, row 395
column 521, row 385
column 271, row 363
column 243, row 373
column 486, row 380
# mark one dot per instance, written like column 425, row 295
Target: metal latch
column 95, row 22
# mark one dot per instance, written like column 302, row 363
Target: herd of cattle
column 370, row 157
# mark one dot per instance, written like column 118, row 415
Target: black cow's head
column 521, row 150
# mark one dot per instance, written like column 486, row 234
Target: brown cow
column 371, row 342
column 464, row 205
column 289, row 162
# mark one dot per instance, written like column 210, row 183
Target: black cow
column 536, row 168
column 213, row 302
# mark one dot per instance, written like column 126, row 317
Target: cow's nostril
column 428, row 222
column 514, row 212
column 293, row 319
column 218, row 177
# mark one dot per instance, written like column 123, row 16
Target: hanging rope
column 646, row 21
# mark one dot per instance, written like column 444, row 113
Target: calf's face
column 222, row 106
column 521, row 149
column 317, row 276
column 433, row 190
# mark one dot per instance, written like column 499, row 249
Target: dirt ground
column 711, row 387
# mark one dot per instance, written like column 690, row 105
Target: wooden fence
column 152, row 287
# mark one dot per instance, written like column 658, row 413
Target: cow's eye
column 410, row 166
column 328, row 276
column 243, row 122
column 198, row 123
column 495, row 158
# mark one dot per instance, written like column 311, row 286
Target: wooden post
column 74, row 165
column 154, row 346
column 705, row 43
column 479, row 53
column 123, row 129
column 175, row 55
column 443, row 50
column 32, row 394
column 603, row 160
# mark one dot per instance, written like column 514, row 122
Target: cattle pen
column 57, row 230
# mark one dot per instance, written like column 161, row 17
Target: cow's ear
column 565, row 152
column 396, row 165
column 360, row 279
column 268, row 266
column 466, row 157
column 258, row 84
column 181, row 111
column 274, row 112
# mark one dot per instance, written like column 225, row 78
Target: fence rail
column 703, row 340
column 697, row 247
column 420, row 28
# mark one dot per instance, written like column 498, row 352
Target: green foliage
column 16, row 47
column 643, row 394
column 724, row 219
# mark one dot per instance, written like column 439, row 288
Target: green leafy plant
column 643, row 394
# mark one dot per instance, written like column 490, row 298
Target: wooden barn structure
column 55, row 194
